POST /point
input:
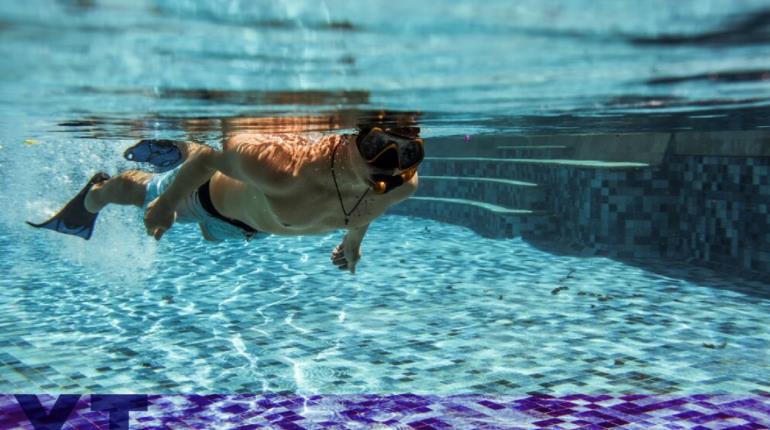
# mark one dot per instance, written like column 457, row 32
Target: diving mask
column 387, row 150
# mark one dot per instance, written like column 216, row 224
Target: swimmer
column 283, row 184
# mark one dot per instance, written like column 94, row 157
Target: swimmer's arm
column 262, row 164
column 198, row 167
column 354, row 237
column 268, row 162
column 346, row 255
column 201, row 162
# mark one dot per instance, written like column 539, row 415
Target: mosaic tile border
column 409, row 411
column 708, row 210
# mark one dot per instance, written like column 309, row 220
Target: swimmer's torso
column 307, row 200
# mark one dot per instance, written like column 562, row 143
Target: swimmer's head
column 393, row 154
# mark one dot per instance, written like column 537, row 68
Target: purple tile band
column 398, row 411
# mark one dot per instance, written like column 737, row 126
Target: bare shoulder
column 301, row 146
column 280, row 153
column 273, row 161
column 268, row 138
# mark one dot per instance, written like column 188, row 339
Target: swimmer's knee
column 130, row 187
column 136, row 177
column 206, row 234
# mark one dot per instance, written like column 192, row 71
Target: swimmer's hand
column 346, row 255
column 158, row 218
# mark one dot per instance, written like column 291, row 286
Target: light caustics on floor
column 433, row 309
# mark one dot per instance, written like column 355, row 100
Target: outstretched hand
column 346, row 255
column 158, row 218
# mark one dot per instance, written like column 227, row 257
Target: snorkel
column 382, row 184
column 389, row 149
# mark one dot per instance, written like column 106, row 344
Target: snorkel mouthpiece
column 380, row 187
column 384, row 183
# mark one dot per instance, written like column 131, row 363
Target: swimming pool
column 588, row 246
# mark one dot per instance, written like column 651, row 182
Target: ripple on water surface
column 433, row 308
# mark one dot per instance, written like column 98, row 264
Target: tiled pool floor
column 433, row 309
column 409, row 411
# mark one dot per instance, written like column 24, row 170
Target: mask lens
column 388, row 159
column 410, row 153
column 390, row 152
column 373, row 146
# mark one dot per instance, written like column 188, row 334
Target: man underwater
column 284, row 184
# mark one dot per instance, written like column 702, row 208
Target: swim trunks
column 198, row 208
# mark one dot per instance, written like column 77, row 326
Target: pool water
column 434, row 308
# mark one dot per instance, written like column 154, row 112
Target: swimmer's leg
column 78, row 216
column 206, row 234
column 128, row 188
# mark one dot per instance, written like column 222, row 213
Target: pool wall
column 692, row 196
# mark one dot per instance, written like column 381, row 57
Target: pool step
column 536, row 170
column 503, row 192
column 486, row 219
column 536, row 151
column 497, row 197
column 502, row 146
column 639, row 147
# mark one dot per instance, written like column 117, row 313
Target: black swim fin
column 164, row 154
column 74, row 219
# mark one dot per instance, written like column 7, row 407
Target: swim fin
column 164, row 154
column 74, row 219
